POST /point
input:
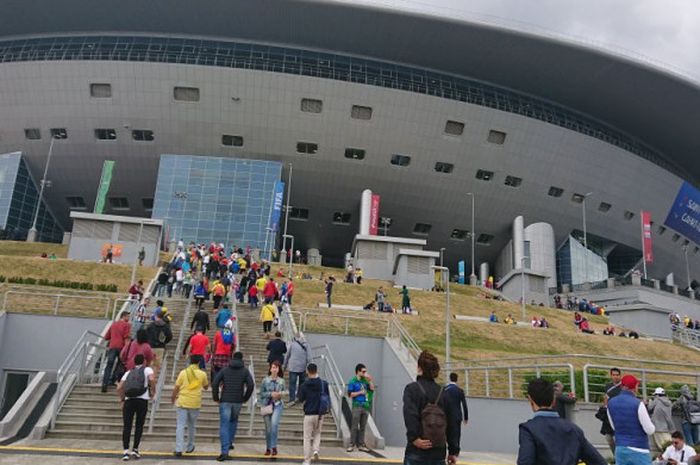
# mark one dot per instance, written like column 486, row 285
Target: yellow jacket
column 268, row 312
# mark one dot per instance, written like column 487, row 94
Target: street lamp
column 446, row 272
column 291, row 253
column 442, row 251
column 32, row 234
column 687, row 265
column 522, row 285
column 585, row 236
column 472, row 277
column 286, row 215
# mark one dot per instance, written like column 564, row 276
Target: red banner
column 646, row 237
column 374, row 215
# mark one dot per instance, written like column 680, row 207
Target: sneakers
column 267, row 452
column 350, row 449
column 291, row 404
column 223, row 457
column 189, row 451
column 364, row 448
column 135, row 454
column 315, row 456
column 177, row 454
column 104, row 388
column 274, row 451
column 126, row 456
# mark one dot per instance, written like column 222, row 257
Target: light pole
column 136, row 259
column 446, row 271
column 585, row 236
column 291, row 255
column 32, row 234
column 286, row 215
column 687, row 265
column 442, row 251
column 522, row 285
column 472, row 277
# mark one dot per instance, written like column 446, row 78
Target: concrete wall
column 90, row 248
column 651, row 322
column 542, row 251
column 535, row 288
column 404, row 277
column 635, row 294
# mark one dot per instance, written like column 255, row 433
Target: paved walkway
column 79, row 452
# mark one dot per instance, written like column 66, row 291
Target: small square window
column 696, row 249
column 341, row 218
column 459, row 234
column 454, row 128
column 355, row 154
column 555, row 191
column 360, row 112
column 76, row 203
column 578, row 198
column 422, row 229
column 147, row 204
column 105, row 134
column 118, row 203
column 32, row 133
column 661, row 230
column 301, row 214
column 497, row 137
column 629, row 215
column 400, row 160
column 100, row 90
column 59, row 133
column 310, row 105
column 675, row 237
column 232, row 141
column 484, row 175
column 307, row 147
column 686, row 242
column 142, row 135
column 484, row 239
column 186, row 94
column 442, row 167
column 513, row 181
column 604, row 207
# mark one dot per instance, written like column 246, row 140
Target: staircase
column 89, row 413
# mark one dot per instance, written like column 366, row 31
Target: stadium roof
column 651, row 104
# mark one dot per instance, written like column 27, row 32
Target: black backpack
column 135, row 384
column 433, row 421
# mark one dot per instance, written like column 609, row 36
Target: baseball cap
column 659, row 391
column 629, row 381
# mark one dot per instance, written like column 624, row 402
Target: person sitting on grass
column 369, row 306
column 493, row 318
column 509, row 320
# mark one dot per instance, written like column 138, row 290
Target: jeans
column 416, row 460
column 159, row 290
column 626, row 456
column 359, row 422
column 228, row 424
column 112, row 355
column 328, row 299
column 185, row 416
column 138, row 408
column 295, row 378
column 690, row 433
column 272, row 426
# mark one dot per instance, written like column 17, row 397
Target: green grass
column 32, row 249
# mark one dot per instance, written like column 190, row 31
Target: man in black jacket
column 200, row 320
column 238, row 386
column 310, row 394
column 159, row 335
column 421, row 451
column 547, row 439
column 457, row 411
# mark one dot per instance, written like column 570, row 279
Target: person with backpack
column 135, row 389
column 687, row 405
column 315, row 395
column 134, row 348
column 268, row 313
column 222, row 316
column 201, row 320
column 200, row 294
column 424, row 416
column 159, row 335
column 360, row 390
column 276, row 349
column 295, row 363
column 117, row 336
column 232, row 387
column 223, row 347
column 187, row 396
column 217, row 291
column 547, row 439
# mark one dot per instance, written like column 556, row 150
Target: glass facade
column 323, row 65
column 572, row 267
column 212, row 199
column 18, row 198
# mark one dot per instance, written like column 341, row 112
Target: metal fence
column 511, row 381
column 59, row 303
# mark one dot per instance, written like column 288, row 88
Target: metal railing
column 395, row 330
column 71, row 370
column 181, row 336
column 328, row 371
column 55, row 300
column 509, row 381
column 685, row 336
column 570, row 358
column 594, row 380
column 253, row 398
column 304, row 318
column 158, row 392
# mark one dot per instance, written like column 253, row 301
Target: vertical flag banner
column 646, row 237
column 374, row 215
column 276, row 211
column 461, row 271
column 103, row 188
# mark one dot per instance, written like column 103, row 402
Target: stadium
column 420, row 109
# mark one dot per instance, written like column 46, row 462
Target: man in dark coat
column 457, row 411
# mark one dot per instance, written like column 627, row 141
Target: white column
column 365, row 211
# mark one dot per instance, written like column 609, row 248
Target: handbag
column 267, row 410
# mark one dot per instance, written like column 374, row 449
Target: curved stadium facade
column 419, row 109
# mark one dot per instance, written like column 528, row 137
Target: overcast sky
column 664, row 31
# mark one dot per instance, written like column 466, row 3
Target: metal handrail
column 404, row 337
column 58, row 297
column 347, row 318
column 510, row 360
column 158, row 393
column 183, row 330
column 253, row 398
column 643, row 372
column 536, row 369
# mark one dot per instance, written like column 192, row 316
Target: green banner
column 105, row 181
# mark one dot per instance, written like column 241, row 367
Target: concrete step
column 171, row 417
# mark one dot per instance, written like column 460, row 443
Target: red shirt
column 219, row 347
column 270, row 289
column 131, row 350
column 290, row 288
column 117, row 332
column 253, row 291
column 198, row 344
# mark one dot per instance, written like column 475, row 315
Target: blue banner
column 461, row 271
column 684, row 216
column 276, row 212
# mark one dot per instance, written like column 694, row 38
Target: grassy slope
column 32, row 249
